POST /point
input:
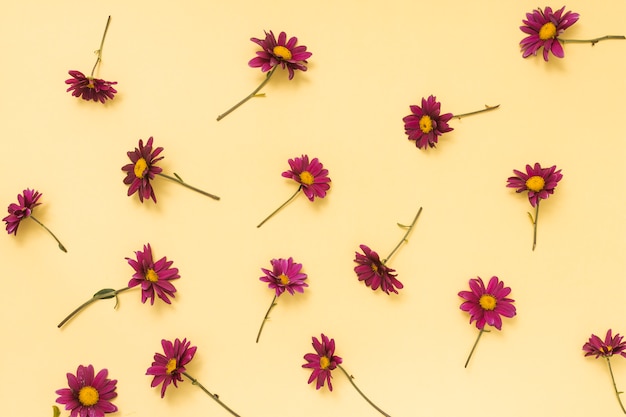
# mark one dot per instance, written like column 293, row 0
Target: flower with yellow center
column 284, row 279
column 426, row 124
column 535, row 183
column 487, row 302
column 171, row 366
column 324, row 362
column 88, row 396
column 307, row 178
column 282, row 52
column 151, row 275
column 140, row 167
column 547, row 31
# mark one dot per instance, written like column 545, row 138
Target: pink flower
column 27, row 201
column 425, row 124
column 486, row 305
column 311, row 176
column 539, row 182
column 322, row 362
column 543, row 28
column 375, row 273
column 88, row 395
column 142, row 170
column 281, row 52
column 154, row 277
column 90, row 88
column 168, row 368
column 612, row 345
column 285, row 275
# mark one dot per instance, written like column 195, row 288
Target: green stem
column 99, row 51
column 100, row 295
column 52, row 234
column 535, row 224
column 265, row 318
column 252, row 94
column 351, row 379
column 184, row 184
column 214, row 396
column 487, row 108
column 410, row 227
column 617, row 392
column 474, row 347
column 282, row 205
column 592, row 41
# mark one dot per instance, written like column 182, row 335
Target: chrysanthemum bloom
column 543, row 28
column 142, row 170
column 612, row 345
column 322, row 362
column 27, row 201
column 88, row 395
column 169, row 367
column 485, row 305
column 539, row 182
column 284, row 276
column 154, row 277
column 312, row 177
column 426, row 124
column 374, row 273
column 90, row 88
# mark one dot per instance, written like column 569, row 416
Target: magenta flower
column 539, row 182
column 322, row 362
column 142, row 170
column 312, row 177
column 612, row 345
column 88, row 395
column 375, row 273
column 90, row 88
column 425, row 124
column 486, row 305
column 154, row 277
column 169, row 367
column 27, row 201
column 281, row 52
column 543, row 28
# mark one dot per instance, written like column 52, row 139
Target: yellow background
column 180, row 64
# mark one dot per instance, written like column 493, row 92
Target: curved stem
column 474, row 347
column 351, row 379
column 100, row 295
column 214, row 396
column 52, row 234
column 99, row 51
column 265, row 318
column 487, row 108
column 252, row 94
column 410, row 227
column 184, row 184
column 281, row 206
column 617, row 393
column 592, row 41
column 535, row 224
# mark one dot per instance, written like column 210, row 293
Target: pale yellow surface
column 180, row 64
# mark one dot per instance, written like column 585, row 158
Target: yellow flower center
column 90, row 85
column 307, row 178
column 535, row 183
column 140, row 167
column 547, row 31
column 152, row 276
column 282, row 52
column 284, row 279
column 426, row 124
column 487, row 302
column 324, row 362
column 374, row 267
column 88, row 396
column 171, row 366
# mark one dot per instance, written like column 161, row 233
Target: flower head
column 27, row 201
column 88, row 395
column 169, row 367
column 154, row 277
column 142, row 170
column 425, row 124
column 375, row 273
column 285, row 275
column 612, row 345
column 486, row 305
column 539, row 182
column 311, row 176
column 281, row 52
column 543, row 28
column 90, row 88
column 323, row 361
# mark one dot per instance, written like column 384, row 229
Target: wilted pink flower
column 88, row 395
column 168, row 368
column 322, row 362
column 142, row 170
column 281, row 52
column 543, row 28
column 27, row 201
column 425, row 124
column 154, row 277
column 90, row 88
column 486, row 305
column 374, row 273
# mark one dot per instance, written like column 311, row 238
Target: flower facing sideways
column 88, row 395
column 169, row 366
column 374, row 273
column 27, row 201
column 425, row 123
column 90, row 88
column 142, row 170
column 543, row 28
column 322, row 362
column 153, row 277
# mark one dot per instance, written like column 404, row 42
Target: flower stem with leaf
column 592, row 41
column 404, row 238
column 281, row 206
column 180, row 181
column 487, row 108
column 50, row 231
column 98, row 52
column 249, row 96
column 100, row 295
column 475, row 344
column 617, row 392
column 214, row 396
column 534, row 221
column 351, row 379
column 265, row 318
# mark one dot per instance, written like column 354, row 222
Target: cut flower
column 543, row 28
column 88, row 395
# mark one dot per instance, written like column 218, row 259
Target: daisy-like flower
column 169, row 368
column 154, row 277
column 26, row 203
column 540, row 184
column 425, row 123
column 143, row 169
column 486, row 305
column 88, row 395
column 611, row 345
column 284, row 276
column 543, row 28
column 275, row 53
column 90, row 88
column 312, row 177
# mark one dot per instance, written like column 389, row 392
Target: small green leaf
column 179, row 178
column 103, row 291
column 55, row 411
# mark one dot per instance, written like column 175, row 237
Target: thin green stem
column 50, row 231
column 351, row 379
column 184, row 184
column 99, row 51
column 281, row 206
column 252, row 94
column 592, row 41
column 617, row 392
column 404, row 238
column 100, row 295
column 474, row 347
column 265, row 318
column 214, row 396
column 487, row 108
column 535, row 224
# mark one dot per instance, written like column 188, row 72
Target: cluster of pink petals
column 26, row 202
column 104, row 392
column 311, row 175
column 285, row 276
column 140, row 184
column 322, row 362
column 168, row 367
column 533, row 25
column 611, row 345
column 153, row 277
column 374, row 273
column 431, row 109
column 273, row 54
column 472, row 304
column 551, row 177
column 89, row 88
